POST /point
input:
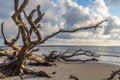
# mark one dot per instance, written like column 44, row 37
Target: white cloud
column 112, row 23
column 5, row 8
column 68, row 14
column 101, row 7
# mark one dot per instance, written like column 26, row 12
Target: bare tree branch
column 17, row 13
column 34, row 27
column 2, row 30
column 6, row 52
column 31, row 14
column 17, row 37
column 40, row 15
column 71, row 31
column 11, row 44
column 16, row 3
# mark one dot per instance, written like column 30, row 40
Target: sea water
column 109, row 54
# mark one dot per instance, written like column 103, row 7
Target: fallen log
column 67, row 56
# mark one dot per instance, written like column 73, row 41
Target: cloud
column 75, row 15
column 101, row 7
column 112, row 23
column 69, row 15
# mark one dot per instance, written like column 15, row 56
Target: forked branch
column 2, row 30
column 18, row 11
column 13, row 41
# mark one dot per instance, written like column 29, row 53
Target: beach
column 84, row 71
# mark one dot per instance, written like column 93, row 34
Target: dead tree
column 68, row 54
column 17, row 65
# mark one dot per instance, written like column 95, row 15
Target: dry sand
column 86, row 71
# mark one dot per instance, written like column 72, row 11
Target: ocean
column 109, row 54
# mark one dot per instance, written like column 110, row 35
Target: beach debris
column 7, row 69
column 54, row 72
column 42, row 64
column 43, row 74
column 114, row 74
column 73, row 77
column 67, row 56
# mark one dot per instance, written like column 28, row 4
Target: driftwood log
column 67, row 56
column 19, row 54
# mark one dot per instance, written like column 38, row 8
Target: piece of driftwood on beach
column 68, row 54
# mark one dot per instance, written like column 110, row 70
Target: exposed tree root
column 8, row 69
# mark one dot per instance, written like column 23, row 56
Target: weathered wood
column 67, row 55
column 36, row 58
column 113, row 74
column 73, row 77
column 2, row 76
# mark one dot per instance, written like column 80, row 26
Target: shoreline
column 84, row 71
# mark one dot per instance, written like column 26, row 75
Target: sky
column 70, row 14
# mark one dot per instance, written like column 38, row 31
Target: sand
column 86, row 71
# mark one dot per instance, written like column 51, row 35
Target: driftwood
column 17, row 62
column 73, row 77
column 42, row 64
column 67, row 56
column 114, row 74
column 6, row 70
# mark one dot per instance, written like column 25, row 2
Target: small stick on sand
column 73, row 77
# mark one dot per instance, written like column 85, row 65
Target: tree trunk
column 21, row 61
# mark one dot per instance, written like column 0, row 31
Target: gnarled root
column 9, row 69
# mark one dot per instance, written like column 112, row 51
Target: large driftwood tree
column 22, row 53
